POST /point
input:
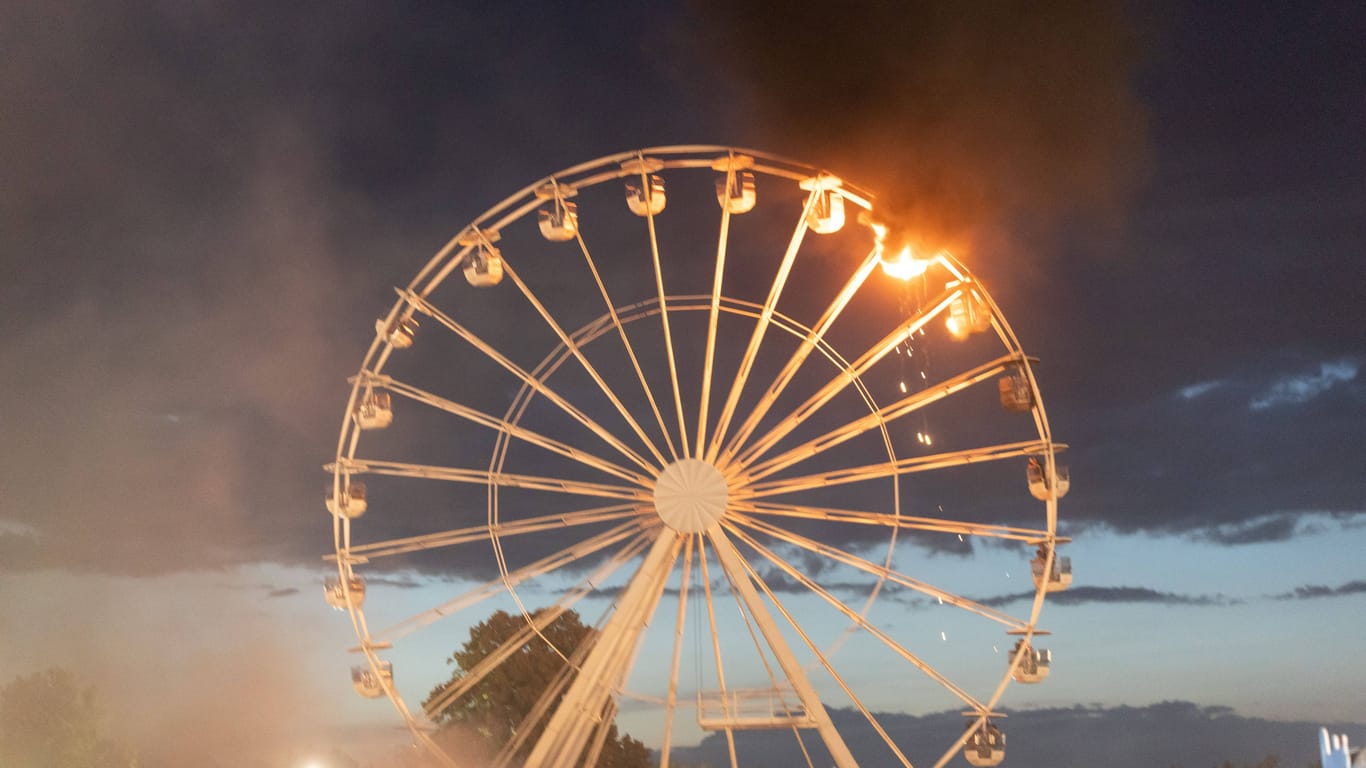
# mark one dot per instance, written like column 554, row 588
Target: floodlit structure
column 709, row 421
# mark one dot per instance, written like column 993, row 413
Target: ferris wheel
column 785, row 460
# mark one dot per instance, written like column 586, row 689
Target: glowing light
column 905, row 266
column 944, row 636
column 955, row 329
column 903, row 387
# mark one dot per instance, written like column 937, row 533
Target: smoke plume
column 964, row 118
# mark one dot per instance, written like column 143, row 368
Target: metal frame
column 747, row 447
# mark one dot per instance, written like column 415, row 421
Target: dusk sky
column 206, row 205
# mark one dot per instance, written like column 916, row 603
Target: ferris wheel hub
column 690, row 495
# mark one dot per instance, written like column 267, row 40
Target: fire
column 905, row 265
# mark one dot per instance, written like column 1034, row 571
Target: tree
column 494, row 708
column 48, row 721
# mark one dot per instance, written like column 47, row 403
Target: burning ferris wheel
column 780, row 457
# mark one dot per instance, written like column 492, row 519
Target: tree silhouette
column 493, row 710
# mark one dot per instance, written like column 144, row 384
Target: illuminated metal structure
column 735, row 445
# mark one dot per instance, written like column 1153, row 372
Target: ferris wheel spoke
column 547, row 699
column 551, row 562
column 798, row 357
column 722, row 240
column 533, row 628
column 423, row 306
column 854, row 616
column 894, row 468
column 573, row 349
column 760, row 328
column 502, row 425
column 882, row 416
column 485, row 477
column 901, row 522
column 789, row 710
column 881, row 571
column 603, row 671
column 605, row 720
column 455, row 536
column 716, row 646
column 671, row 699
column 626, row 342
column 733, row 564
column 850, row 374
column 825, row 662
column 664, row 309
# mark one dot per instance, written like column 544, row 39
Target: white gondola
column 1033, row 668
column 484, row 267
column 375, row 411
column 558, row 218
column 352, row 502
column 1016, row 394
column 646, row 199
column 967, row 315
column 1061, row 576
column 483, row 263
column 986, row 746
column 1041, row 486
column 398, row 334
column 827, row 212
column 739, row 195
column 343, row 595
column 559, row 221
column 369, row 684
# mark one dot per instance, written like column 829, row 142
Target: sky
column 207, row 205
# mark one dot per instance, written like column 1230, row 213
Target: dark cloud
column 397, row 582
column 1315, row 591
column 1259, row 530
column 202, row 221
column 206, row 207
column 960, row 117
column 1085, row 595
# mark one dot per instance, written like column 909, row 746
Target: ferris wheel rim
column 595, row 172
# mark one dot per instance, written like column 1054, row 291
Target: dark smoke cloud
column 1314, row 591
column 960, row 116
column 1085, row 595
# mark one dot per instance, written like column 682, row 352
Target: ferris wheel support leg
column 567, row 733
column 730, row 562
